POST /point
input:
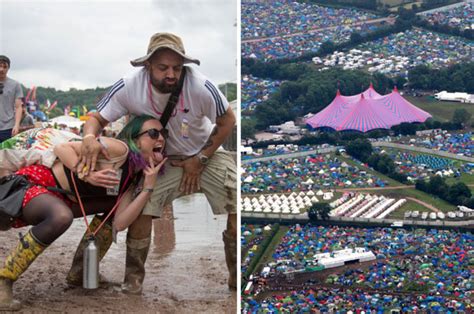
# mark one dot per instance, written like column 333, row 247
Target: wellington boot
column 16, row 264
column 7, row 303
column 103, row 241
column 137, row 252
column 230, row 248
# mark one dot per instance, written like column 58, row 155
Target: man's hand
column 192, row 169
column 15, row 130
column 106, row 178
column 90, row 151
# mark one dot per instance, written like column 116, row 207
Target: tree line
column 455, row 78
column 311, row 91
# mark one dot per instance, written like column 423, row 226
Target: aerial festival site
column 357, row 157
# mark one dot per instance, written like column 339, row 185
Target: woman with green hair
column 123, row 181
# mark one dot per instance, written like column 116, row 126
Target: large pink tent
column 367, row 111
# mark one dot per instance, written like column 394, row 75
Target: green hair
column 129, row 134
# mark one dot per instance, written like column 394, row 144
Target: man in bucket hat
column 10, row 102
column 200, row 122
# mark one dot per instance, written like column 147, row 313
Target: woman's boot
column 230, row 248
column 137, row 252
column 103, row 241
column 16, row 263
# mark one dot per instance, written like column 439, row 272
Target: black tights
column 51, row 216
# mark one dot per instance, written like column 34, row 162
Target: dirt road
column 186, row 271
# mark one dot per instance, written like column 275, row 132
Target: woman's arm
column 68, row 153
column 129, row 209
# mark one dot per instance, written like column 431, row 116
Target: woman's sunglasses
column 155, row 133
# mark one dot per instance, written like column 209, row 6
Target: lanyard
column 119, row 198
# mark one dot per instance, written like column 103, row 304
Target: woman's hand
column 151, row 173
column 106, row 178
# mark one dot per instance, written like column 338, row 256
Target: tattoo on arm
column 209, row 141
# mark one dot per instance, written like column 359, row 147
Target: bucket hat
column 162, row 41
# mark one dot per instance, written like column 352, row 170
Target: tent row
column 364, row 206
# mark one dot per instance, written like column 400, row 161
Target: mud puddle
column 186, row 270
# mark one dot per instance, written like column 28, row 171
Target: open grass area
column 351, row 162
column 465, row 178
column 422, row 196
column 441, row 110
column 408, row 206
column 267, row 255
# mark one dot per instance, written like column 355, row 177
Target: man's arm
column 18, row 114
column 222, row 130
column 90, row 146
column 192, row 166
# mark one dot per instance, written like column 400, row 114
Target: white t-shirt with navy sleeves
column 199, row 104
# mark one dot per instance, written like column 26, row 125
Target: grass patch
column 440, row 110
column 408, row 206
column 267, row 255
column 422, row 196
column 465, row 178
column 381, row 176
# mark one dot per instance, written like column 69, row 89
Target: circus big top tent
column 367, row 111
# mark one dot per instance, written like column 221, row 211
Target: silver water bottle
column 91, row 265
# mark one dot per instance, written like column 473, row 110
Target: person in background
column 27, row 120
column 10, row 102
column 198, row 125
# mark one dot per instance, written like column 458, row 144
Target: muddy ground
column 186, row 270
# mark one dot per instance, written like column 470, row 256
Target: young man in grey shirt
column 27, row 120
column 10, row 102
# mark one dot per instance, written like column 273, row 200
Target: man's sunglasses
column 154, row 133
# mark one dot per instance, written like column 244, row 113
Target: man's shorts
column 218, row 183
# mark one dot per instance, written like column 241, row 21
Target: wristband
column 87, row 135
column 148, row 190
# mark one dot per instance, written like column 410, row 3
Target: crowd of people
column 313, row 171
column 461, row 16
column 412, row 264
column 283, row 17
column 255, row 91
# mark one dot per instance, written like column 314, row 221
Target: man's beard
column 163, row 87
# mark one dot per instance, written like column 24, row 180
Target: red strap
column 119, row 198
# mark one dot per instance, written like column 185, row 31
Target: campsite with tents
column 379, row 165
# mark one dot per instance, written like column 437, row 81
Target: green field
column 440, row 110
column 383, row 177
column 267, row 255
